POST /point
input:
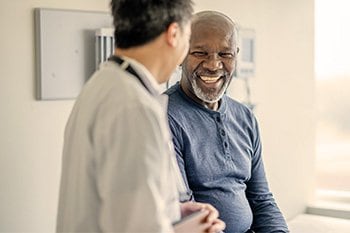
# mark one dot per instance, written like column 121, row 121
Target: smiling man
column 216, row 139
column 206, row 82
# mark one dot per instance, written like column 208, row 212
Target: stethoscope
column 127, row 67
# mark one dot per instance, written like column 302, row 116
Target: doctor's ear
column 172, row 34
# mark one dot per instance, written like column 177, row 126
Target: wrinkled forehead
column 210, row 32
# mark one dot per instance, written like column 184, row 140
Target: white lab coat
column 118, row 171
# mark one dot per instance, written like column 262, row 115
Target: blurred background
column 298, row 89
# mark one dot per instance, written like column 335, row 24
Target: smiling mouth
column 210, row 79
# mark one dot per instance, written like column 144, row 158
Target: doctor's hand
column 216, row 225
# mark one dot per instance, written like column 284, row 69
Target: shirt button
column 223, row 133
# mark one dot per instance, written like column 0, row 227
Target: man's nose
column 213, row 62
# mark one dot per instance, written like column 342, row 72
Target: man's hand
column 215, row 224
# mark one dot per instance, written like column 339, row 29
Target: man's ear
column 173, row 34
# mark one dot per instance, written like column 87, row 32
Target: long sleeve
column 266, row 215
column 178, row 144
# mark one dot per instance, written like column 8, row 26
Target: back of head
column 138, row 22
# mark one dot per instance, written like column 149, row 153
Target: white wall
column 283, row 90
column 31, row 132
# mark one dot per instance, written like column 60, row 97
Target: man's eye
column 227, row 55
column 198, row 53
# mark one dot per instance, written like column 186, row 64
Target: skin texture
column 211, row 60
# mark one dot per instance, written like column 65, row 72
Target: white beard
column 208, row 98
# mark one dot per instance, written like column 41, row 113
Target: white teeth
column 207, row 79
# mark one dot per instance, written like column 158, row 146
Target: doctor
column 118, row 170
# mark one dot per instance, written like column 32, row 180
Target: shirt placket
column 222, row 134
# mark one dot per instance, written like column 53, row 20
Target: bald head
column 207, row 16
column 215, row 21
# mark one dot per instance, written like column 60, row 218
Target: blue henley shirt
column 219, row 155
